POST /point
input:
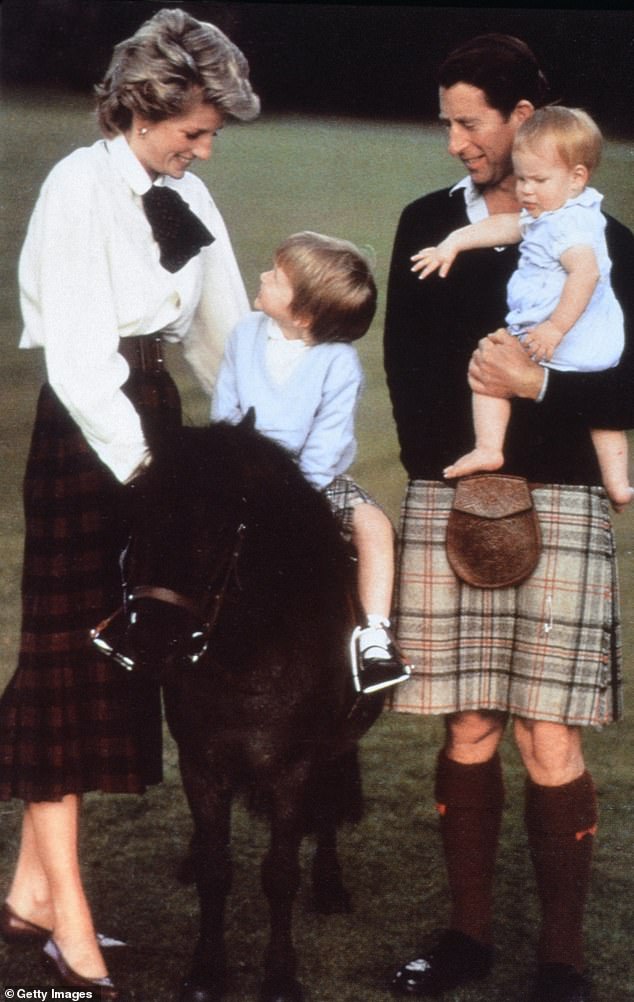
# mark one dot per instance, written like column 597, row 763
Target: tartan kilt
column 71, row 720
column 548, row 649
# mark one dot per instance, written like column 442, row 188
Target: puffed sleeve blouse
column 90, row 274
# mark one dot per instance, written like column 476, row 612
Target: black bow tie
column 177, row 230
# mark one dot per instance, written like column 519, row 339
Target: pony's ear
column 248, row 421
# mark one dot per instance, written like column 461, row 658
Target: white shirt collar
column 129, row 166
column 273, row 330
column 274, row 333
column 475, row 203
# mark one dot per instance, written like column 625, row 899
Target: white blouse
column 90, row 274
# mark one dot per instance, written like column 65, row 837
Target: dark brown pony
column 239, row 587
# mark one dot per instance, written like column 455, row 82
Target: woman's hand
column 500, row 367
column 438, row 258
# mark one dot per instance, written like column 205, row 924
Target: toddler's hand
column 540, row 343
column 438, row 259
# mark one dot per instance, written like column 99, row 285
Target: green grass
column 271, row 178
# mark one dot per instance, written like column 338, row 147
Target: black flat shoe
column 454, row 960
column 54, row 961
column 17, row 931
column 560, row 983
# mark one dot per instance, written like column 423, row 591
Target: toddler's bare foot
column 620, row 496
column 477, row 461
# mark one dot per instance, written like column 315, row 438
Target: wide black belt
column 144, row 352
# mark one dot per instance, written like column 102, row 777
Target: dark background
column 345, row 59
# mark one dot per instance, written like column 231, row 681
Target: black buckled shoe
column 560, row 983
column 454, row 960
column 377, row 663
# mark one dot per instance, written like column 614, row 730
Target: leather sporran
column 493, row 537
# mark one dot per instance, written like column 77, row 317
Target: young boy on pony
column 293, row 362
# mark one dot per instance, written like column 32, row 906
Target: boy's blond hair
column 333, row 286
column 576, row 136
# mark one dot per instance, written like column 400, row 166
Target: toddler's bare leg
column 611, row 450
column 490, row 419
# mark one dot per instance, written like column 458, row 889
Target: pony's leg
column 330, row 896
column 210, row 805
column 334, row 796
column 280, row 881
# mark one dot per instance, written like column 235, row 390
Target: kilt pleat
column 71, row 720
column 548, row 649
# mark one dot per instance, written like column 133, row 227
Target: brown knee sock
column 561, row 822
column 470, row 799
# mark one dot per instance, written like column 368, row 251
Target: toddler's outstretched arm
column 497, row 230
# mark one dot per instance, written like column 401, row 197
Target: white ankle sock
column 376, row 621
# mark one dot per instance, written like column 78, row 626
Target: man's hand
column 500, row 367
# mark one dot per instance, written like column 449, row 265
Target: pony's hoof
column 281, row 989
column 192, row 991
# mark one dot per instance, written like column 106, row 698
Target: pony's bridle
column 204, row 610
column 110, row 636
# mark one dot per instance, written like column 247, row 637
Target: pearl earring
column 143, row 132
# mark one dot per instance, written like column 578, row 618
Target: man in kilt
column 545, row 652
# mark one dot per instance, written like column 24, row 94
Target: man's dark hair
column 501, row 66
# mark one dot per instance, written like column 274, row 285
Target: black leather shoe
column 560, row 983
column 17, row 931
column 55, row 961
column 454, row 960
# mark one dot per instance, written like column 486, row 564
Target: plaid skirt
column 548, row 649
column 343, row 495
column 71, row 720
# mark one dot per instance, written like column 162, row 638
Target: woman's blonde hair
column 576, row 136
column 333, row 285
column 171, row 59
